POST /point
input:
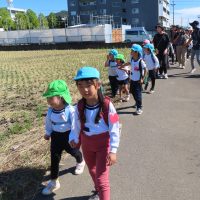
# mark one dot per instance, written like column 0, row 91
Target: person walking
column 161, row 44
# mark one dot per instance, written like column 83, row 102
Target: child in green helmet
column 59, row 118
column 122, row 77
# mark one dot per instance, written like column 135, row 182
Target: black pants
column 136, row 91
column 163, row 60
column 59, row 142
column 152, row 77
column 113, row 84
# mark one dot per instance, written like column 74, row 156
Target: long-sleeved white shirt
column 95, row 129
column 59, row 120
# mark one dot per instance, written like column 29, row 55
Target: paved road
column 159, row 155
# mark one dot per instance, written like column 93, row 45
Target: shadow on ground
column 21, row 183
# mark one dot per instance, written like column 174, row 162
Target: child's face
column 88, row 88
column 118, row 61
column 134, row 54
column 111, row 57
column 146, row 51
column 55, row 102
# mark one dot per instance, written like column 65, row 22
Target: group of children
column 142, row 67
column 92, row 123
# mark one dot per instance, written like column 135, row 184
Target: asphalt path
column 159, row 154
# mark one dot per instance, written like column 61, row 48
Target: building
column 145, row 13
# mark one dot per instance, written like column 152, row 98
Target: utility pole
column 173, row 4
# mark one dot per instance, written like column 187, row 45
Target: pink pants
column 95, row 151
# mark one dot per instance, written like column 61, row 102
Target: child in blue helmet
column 97, row 127
column 152, row 63
column 112, row 74
column 138, row 72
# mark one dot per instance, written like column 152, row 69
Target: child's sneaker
column 51, row 186
column 95, row 196
column 151, row 91
column 126, row 98
column 139, row 111
column 193, row 70
column 79, row 168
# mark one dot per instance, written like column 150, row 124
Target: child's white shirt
column 112, row 68
column 135, row 70
column 95, row 129
column 149, row 62
column 121, row 74
column 59, row 121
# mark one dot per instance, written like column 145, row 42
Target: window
column 102, row 11
column 73, row 3
column 142, row 33
column 87, row 3
column 134, row 1
column 135, row 20
column 135, row 10
column 124, row 20
column 132, row 32
column 73, row 13
column 116, row 4
column 124, row 10
column 124, row 1
column 102, row 1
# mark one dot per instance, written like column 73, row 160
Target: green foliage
column 32, row 18
column 5, row 20
column 43, row 21
column 21, row 21
column 52, row 20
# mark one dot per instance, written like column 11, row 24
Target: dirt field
column 24, row 77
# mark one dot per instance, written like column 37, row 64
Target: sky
column 184, row 11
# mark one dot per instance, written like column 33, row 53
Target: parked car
column 137, row 34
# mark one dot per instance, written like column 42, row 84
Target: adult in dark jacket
column 196, row 44
column 161, row 43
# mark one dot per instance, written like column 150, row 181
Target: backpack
column 104, row 113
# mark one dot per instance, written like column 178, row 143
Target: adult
column 181, row 48
column 196, row 44
column 161, row 44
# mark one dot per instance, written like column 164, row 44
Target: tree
column 43, row 21
column 21, row 21
column 5, row 20
column 52, row 20
column 32, row 19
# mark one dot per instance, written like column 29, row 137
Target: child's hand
column 112, row 158
column 73, row 144
column 46, row 137
column 141, row 81
column 108, row 57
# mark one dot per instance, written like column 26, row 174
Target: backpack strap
column 105, row 109
column 103, row 114
column 140, row 68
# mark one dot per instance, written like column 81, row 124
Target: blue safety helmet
column 137, row 48
column 149, row 46
column 87, row 72
column 114, row 52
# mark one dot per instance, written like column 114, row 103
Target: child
column 59, row 117
column 152, row 65
column 112, row 74
column 97, row 125
column 123, row 77
column 138, row 72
